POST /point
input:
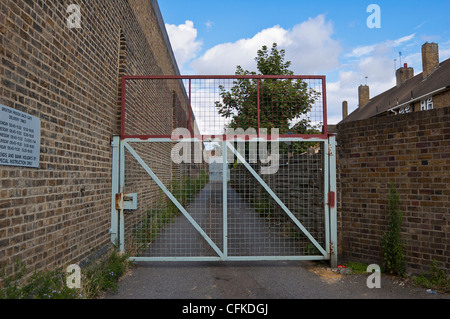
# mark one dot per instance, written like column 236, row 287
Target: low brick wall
column 413, row 152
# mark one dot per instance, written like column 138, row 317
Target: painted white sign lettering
column 20, row 138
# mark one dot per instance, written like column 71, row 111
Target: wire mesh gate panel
column 213, row 183
column 153, row 106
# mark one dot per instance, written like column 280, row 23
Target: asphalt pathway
column 244, row 280
column 248, row 233
column 257, row 280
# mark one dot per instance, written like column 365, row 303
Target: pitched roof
column 407, row 92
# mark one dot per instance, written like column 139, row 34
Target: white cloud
column 376, row 61
column 365, row 50
column 402, row 40
column 309, row 46
column 209, row 25
column 361, row 51
column 223, row 58
column 444, row 50
column 381, row 77
column 183, row 39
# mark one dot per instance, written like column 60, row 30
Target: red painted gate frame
column 324, row 134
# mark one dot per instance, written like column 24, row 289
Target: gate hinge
column 126, row 201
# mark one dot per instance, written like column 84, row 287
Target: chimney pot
column 404, row 74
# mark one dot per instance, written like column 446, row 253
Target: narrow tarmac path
column 256, row 280
column 248, row 235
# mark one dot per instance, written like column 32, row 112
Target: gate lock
column 126, row 201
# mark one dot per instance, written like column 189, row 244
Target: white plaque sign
column 20, row 138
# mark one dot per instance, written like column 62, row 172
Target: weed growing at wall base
column 104, row 275
column 393, row 247
column 357, row 267
column 435, row 279
column 40, row 285
column 52, row 284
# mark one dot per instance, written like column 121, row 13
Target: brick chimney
column 430, row 58
column 364, row 95
column 404, row 74
column 344, row 110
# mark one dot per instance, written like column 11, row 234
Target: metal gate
column 191, row 184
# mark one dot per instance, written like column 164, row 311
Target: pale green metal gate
column 220, row 222
column 215, row 202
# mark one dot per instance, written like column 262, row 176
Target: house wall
column 440, row 100
column 413, row 152
column 70, row 79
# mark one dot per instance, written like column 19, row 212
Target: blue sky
column 329, row 38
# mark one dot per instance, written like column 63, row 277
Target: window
column 426, row 104
column 404, row 110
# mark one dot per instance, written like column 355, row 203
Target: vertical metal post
column 259, row 106
column 332, row 201
column 190, row 108
column 326, row 188
column 325, row 107
column 114, row 188
column 121, row 190
column 122, row 115
column 225, row 199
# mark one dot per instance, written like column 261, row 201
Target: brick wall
column 440, row 100
column 69, row 78
column 413, row 152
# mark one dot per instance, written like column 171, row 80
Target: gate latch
column 126, row 201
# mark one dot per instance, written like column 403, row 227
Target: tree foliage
column 284, row 103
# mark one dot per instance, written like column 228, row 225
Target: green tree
column 284, row 103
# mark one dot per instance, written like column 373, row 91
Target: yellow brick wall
column 69, row 78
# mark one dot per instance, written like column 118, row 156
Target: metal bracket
column 332, row 199
column 126, row 201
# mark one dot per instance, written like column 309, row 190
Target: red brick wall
column 413, row 152
column 69, row 78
